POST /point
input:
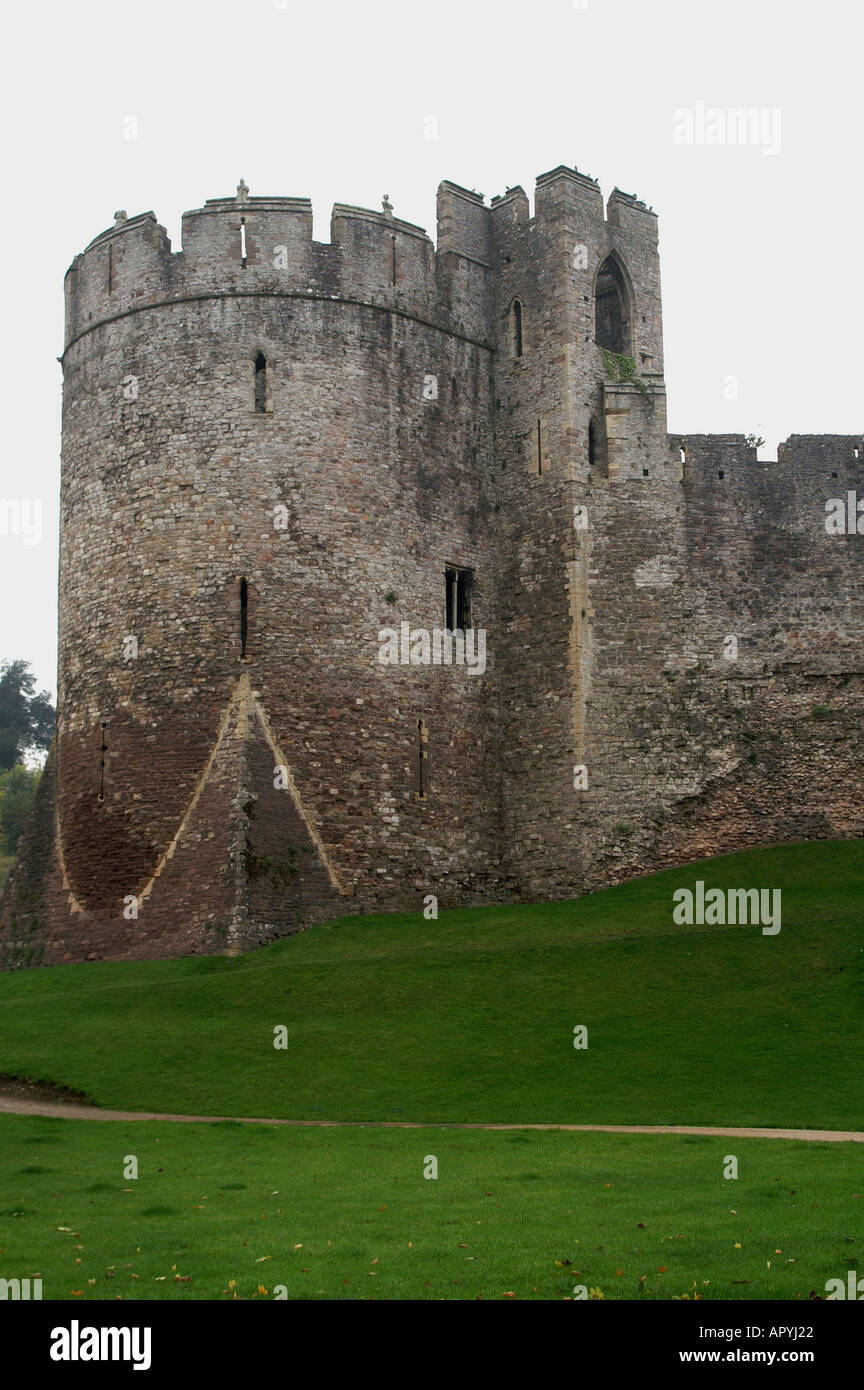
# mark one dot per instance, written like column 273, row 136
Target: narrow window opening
column 539, row 450
column 459, row 586
column 683, row 454
column 393, row 268
column 422, row 740
column 833, row 475
column 261, row 384
column 644, row 472
column 597, row 461
column 243, row 242
column 244, row 617
column 517, row 327
column 103, row 751
column 110, row 267
column 720, row 473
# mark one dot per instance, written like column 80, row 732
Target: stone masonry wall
column 201, row 799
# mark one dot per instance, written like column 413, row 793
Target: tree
column 17, row 790
column 26, row 718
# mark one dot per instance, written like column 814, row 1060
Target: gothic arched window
column 611, row 308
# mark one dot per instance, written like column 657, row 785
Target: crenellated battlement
column 724, row 480
column 821, row 456
column 264, row 245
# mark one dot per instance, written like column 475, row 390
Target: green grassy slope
column 225, row 1210
column 471, row 1018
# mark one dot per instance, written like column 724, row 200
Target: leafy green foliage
column 26, row 717
column 621, row 368
column 17, row 790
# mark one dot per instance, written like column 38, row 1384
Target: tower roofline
column 563, row 171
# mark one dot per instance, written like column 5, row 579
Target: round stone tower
column 272, row 450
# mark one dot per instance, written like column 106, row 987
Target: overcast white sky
column 760, row 243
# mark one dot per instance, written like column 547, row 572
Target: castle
column 275, row 450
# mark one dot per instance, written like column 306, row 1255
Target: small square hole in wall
column 833, row 475
column 720, row 473
column 644, row 472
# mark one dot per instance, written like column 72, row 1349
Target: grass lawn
column 225, row 1210
column 471, row 1018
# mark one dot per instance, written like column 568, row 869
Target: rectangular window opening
column 459, row 586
